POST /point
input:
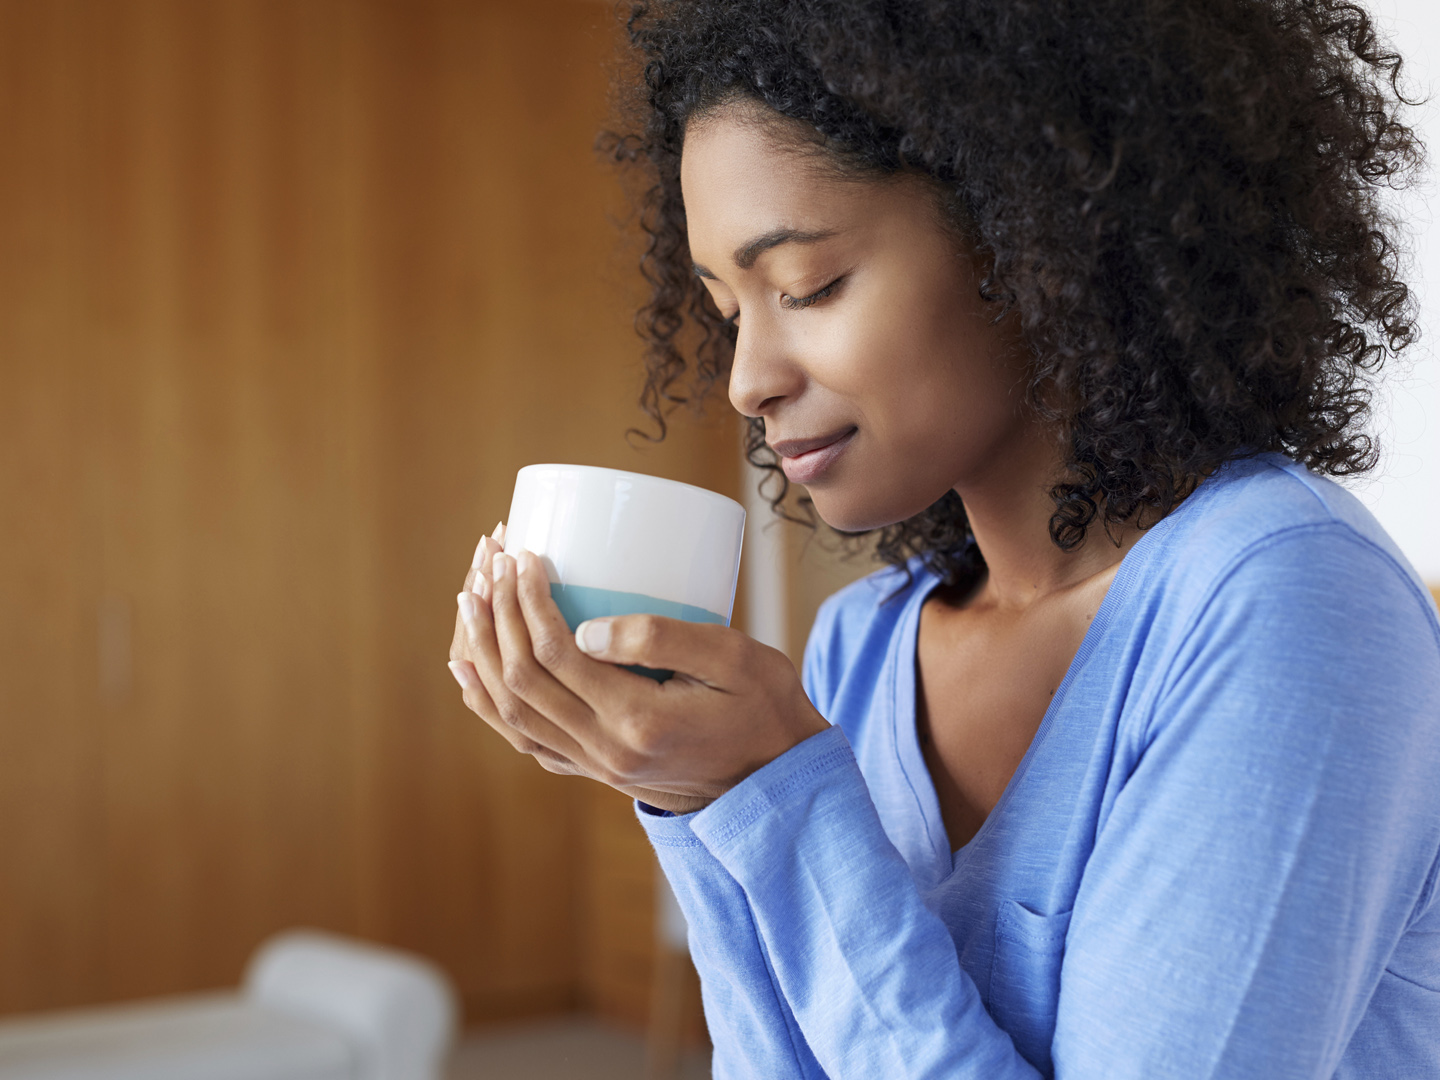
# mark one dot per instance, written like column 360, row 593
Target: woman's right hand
column 478, row 582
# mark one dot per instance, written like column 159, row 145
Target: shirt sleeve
column 752, row 1027
column 1278, row 832
column 1275, row 838
column 869, row 971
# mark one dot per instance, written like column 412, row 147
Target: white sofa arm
column 398, row 1010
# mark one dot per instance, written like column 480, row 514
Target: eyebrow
column 748, row 252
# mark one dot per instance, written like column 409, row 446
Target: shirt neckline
column 903, row 707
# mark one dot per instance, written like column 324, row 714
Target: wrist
column 807, row 724
column 665, row 803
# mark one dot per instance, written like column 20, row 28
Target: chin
column 856, row 514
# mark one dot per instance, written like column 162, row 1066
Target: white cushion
column 397, row 1009
column 209, row 1036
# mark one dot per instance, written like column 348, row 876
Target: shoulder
column 1277, row 608
column 1275, row 631
column 1266, row 533
column 854, row 627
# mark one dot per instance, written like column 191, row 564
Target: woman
column 1132, row 763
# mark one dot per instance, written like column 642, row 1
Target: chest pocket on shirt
column 1025, row 978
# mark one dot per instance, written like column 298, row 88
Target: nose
column 762, row 374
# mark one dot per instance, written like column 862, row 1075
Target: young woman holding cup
column 1131, row 771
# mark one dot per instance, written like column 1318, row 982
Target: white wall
column 1404, row 493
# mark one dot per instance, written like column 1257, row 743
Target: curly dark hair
column 1180, row 199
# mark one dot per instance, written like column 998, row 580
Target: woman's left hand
column 732, row 706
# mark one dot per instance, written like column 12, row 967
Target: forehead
column 740, row 175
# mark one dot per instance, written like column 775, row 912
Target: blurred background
column 289, row 290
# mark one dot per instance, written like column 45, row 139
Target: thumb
column 707, row 652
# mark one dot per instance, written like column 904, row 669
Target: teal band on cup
column 579, row 603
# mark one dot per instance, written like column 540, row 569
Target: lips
column 806, row 460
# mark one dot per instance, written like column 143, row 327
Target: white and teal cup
column 623, row 543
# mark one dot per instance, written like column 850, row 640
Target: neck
column 1009, row 509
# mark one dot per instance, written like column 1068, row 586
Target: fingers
column 480, row 563
column 474, row 631
column 474, row 571
column 525, row 696
column 559, row 681
column 528, row 647
column 493, row 545
column 477, row 583
column 708, row 653
column 553, row 643
column 472, row 692
column 490, row 548
column 471, row 577
column 479, row 701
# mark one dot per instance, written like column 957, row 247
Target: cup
column 623, row 543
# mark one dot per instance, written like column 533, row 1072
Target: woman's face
column 863, row 341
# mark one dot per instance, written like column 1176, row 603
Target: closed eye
column 793, row 303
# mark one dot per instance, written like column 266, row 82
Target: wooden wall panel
column 49, row 562
column 228, row 781
column 291, row 289
column 616, row 908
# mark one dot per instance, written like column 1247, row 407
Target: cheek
column 935, row 399
column 922, row 381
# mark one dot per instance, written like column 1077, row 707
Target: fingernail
column 479, row 554
column 500, row 566
column 468, row 611
column 499, row 530
column 461, row 673
column 593, row 636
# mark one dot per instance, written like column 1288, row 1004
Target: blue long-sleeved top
column 1218, row 857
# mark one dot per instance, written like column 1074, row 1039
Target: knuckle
column 510, row 713
column 647, row 633
column 775, row 662
column 478, row 703
column 517, row 678
column 626, row 763
column 553, row 762
column 548, row 650
column 642, row 735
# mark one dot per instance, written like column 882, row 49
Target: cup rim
column 629, row 474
